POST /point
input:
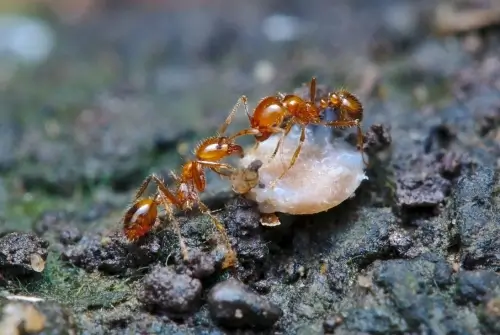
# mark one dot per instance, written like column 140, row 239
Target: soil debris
column 113, row 254
column 416, row 192
column 489, row 315
column 476, row 217
column 242, row 220
column 476, row 286
column 22, row 254
column 377, row 138
column 425, row 181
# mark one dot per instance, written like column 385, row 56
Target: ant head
column 140, row 218
column 345, row 102
column 335, row 99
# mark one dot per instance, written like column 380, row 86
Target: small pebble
column 176, row 294
column 234, row 305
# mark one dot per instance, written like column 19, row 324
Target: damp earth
column 117, row 91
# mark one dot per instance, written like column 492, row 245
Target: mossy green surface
column 74, row 287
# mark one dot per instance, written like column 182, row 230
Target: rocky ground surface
column 125, row 93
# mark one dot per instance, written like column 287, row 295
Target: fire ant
column 142, row 215
column 279, row 113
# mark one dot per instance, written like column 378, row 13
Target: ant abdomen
column 140, row 218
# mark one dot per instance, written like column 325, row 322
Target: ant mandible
column 142, row 215
column 279, row 113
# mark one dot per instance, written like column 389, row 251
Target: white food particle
column 325, row 174
column 238, row 313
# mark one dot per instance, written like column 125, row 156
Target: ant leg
column 142, row 188
column 249, row 131
column 217, row 165
column 161, row 185
column 276, row 130
column 175, row 177
column 287, row 131
column 360, row 144
column 230, row 259
column 312, row 89
column 177, row 229
column 223, row 174
column 229, row 119
column 340, row 124
column 165, row 191
column 356, row 124
column 219, row 168
column 294, row 157
column 284, row 132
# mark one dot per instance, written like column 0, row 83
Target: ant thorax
column 327, row 172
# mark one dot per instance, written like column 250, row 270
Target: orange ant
column 279, row 113
column 142, row 215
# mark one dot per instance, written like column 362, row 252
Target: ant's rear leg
column 230, row 258
column 177, row 229
column 284, row 132
column 294, row 157
column 229, row 119
column 347, row 124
